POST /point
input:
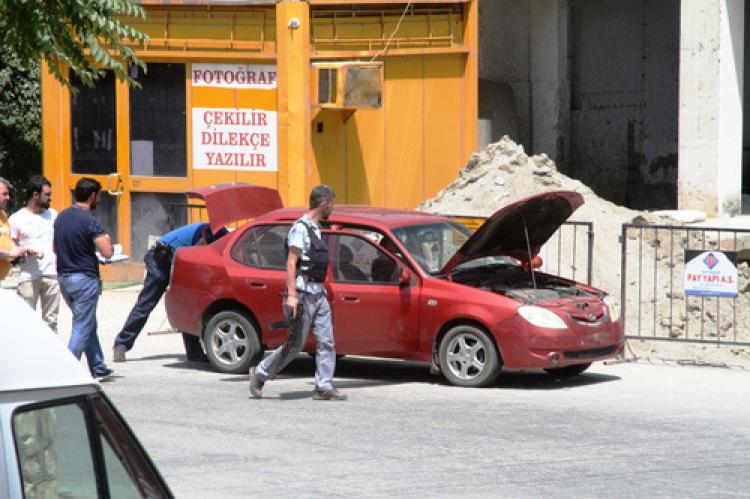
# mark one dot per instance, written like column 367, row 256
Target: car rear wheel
column 468, row 357
column 232, row 343
column 567, row 371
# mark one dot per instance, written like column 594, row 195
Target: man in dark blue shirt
column 158, row 262
column 77, row 237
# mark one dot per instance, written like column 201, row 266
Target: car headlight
column 614, row 308
column 541, row 317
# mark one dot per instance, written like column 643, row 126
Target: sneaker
column 256, row 386
column 103, row 374
column 118, row 353
column 332, row 394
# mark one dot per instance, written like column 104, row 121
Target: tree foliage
column 85, row 37
column 20, row 134
column 65, row 32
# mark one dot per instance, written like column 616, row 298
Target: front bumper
column 524, row 346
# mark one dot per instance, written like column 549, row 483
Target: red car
column 402, row 284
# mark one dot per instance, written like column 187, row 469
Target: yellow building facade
column 245, row 91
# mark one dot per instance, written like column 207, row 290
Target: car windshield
column 432, row 245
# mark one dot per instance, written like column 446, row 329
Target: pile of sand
column 504, row 173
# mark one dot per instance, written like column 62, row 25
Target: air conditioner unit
column 348, row 85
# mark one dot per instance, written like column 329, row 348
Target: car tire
column 468, row 357
column 567, row 371
column 232, row 343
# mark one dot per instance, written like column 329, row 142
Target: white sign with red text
column 710, row 273
column 234, row 139
column 248, row 76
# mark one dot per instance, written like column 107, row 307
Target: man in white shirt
column 32, row 227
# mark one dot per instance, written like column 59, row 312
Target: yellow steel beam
column 293, row 66
column 53, row 127
column 471, row 76
column 368, row 54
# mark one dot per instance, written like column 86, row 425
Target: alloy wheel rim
column 466, row 356
column 229, row 342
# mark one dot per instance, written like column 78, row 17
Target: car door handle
column 350, row 298
column 257, row 284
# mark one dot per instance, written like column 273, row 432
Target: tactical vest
column 316, row 267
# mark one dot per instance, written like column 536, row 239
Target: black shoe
column 332, row 394
column 103, row 374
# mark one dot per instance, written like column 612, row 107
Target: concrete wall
column 549, row 70
column 593, row 83
column 711, row 81
column 624, row 98
column 504, row 85
column 523, row 71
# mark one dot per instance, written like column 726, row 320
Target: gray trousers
column 316, row 312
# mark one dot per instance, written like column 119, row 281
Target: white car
column 59, row 434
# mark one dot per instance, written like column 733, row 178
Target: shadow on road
column 525, row 380
column 357, row 372
column 180, row 362
column 350, row 371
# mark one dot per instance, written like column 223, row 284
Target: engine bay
column 516, row 282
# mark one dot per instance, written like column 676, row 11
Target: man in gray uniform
column 305, row 303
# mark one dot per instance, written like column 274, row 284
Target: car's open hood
column 503, row 233
column 227, row 203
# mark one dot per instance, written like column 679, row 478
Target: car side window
column 81, row 448
column 357, row 260
column 54, row 454
column 376, row 236
column 262, row 246
column 130, row 473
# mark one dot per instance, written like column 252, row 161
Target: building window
column 92, row 128
column 157, row 122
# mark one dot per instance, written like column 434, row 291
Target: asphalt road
column 621, row 430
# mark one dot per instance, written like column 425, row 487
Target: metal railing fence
column 654, row 303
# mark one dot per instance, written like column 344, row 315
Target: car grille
column 590, row 354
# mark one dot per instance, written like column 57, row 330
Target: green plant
column 87, row 36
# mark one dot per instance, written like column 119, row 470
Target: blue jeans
column 81, row 293
column 158, row 262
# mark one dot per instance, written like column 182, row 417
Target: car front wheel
column 567, row 371
column 468, row 357
column 232, row 343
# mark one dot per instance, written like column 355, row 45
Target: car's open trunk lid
column 227, row 203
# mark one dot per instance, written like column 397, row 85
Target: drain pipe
column 528, row 249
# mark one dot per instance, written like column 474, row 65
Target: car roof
column 32, row 356
column 363, row 214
